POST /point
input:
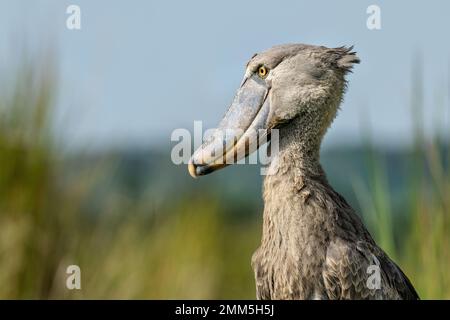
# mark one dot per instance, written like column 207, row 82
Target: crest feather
column 345, row 58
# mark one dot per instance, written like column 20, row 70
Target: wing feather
column 347, row 271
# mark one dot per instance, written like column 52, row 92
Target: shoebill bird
column 314, row 245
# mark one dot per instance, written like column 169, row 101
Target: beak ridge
column 230, row 141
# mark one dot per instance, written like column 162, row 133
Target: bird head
column 280, row 85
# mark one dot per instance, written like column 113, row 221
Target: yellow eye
column 262, row 72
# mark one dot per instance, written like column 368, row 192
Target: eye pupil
column 262, row 71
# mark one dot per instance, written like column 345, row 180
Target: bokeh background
column 86, row 117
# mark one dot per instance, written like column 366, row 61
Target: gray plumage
column 314, row 245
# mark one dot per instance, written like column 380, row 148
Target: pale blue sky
column 139, row 69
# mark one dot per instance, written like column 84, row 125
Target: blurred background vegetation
column 140, row 227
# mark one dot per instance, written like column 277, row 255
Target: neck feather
column 299, row 147
column 287, row 187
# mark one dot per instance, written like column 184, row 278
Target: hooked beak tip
column 197, row 170
column 192, row 169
